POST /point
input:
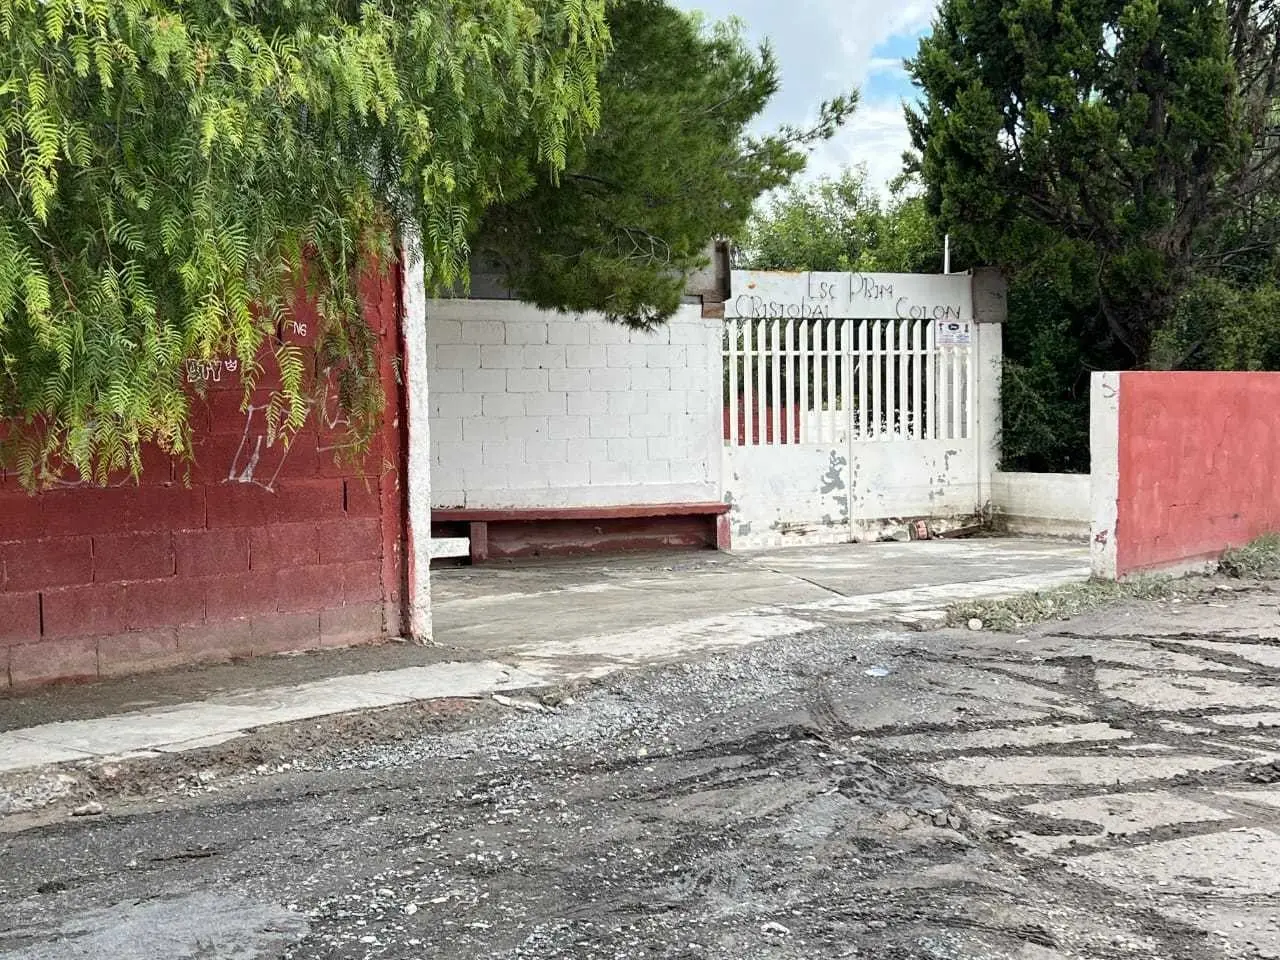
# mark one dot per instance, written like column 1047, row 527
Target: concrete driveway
column 1104, row 788
column 653, row 605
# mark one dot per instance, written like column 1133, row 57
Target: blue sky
column 825, row 47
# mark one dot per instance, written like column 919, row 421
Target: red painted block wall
column 1199, row 458
column 252, row 549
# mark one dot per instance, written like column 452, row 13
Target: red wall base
column 254, row 549
column 578, row 531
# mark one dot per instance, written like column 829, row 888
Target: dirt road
column 1093, row 789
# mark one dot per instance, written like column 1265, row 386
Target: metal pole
column 946, row 253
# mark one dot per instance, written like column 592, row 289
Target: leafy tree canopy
column 1117, row 139
column 672, row 167
column 169, row 164
column 838, row 224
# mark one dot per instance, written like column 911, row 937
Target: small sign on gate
column 953, row 333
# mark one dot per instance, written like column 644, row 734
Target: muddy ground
column 1101, row 788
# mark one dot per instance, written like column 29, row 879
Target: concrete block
column 484, row 332
column 19, row 618
column 666, row 402
column 446, row 430
column 446, row 476
column 608, row 428
column 569, row 474
column 524, row 332
column 664, row 448
column 464, row 455
column 690, row 378
column 528, row 476
column 628, row 450
column 693, row 332
column 209, row 553
column 285, row 632
column 502, row 405
column 688, row 471
column 626, row 355
column 445, row 380
column 489, row 477
column 575, row 331
column 545, row 451
column 603, row 332
column 502, row 357
column 483, row 381
column 650, row 471
column 504, row 453
column 447, row 497
column 350, row 625
column 455, row 406
column 568, row 428
column 661, row 355
column 224, row 640
column 650, row 425
column 700, row 357
column 544, row 357
column 361, row 582
column 651, row 378
column 282, row 545
column 569, row 381
column 527, row 428
column 444, row 331
column 349, row 541
column 526, row 381
column 48, row 660
column 627, row 402
column 609, row 379
column 463, row 356
column 484, row 429
column 59, row 562
column 586, row 357
column 587, row 404
column 545, row 404
column 588, row 451
column 610, row 472
column 128, row 653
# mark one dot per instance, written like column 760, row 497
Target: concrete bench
column 515, row 533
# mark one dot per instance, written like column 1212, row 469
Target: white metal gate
column 849, row 408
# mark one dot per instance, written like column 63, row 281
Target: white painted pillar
column 1104, row 472
column 418, row 457
column 990, row 308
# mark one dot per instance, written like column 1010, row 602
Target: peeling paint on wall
column 833, row 479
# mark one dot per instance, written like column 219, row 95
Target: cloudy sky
column 825, row 47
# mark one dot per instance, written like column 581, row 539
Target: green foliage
column 671, row 168
column 837, row 224
column 1062, row 603
column 1121, row 161
column 177, row 170
column 1257, row 560
column 1120, row 125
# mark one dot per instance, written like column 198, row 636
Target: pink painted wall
column 1199, row 466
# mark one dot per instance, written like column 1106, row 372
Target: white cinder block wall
column 531, row 408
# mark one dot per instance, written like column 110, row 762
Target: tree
column 837, row 224
column 671, row 168
column 176, row 170
column 1113, row 138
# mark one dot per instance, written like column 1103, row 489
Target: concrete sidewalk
column 502, row 629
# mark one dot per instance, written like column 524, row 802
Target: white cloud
column 881, row 65
column 875, row 138
column 827, row 47
column 862, row 26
